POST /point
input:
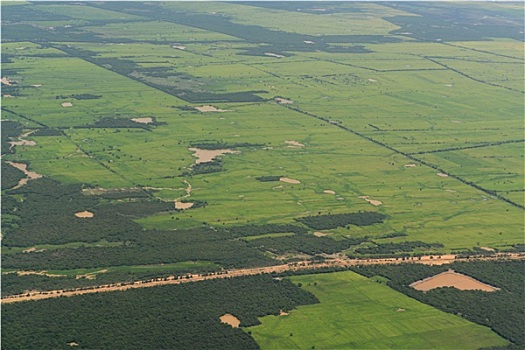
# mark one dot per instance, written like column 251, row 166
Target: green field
column 357, row 313
column 329, row 110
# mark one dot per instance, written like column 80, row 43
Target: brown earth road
column 305, row 265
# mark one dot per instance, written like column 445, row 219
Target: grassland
column 357, row 313
column 428, row 122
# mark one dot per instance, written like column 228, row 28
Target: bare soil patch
column 371, row 201
column 283, row 101
column 451, row 278
column 283, row 313
column 231, row 320
column 208, row 108
column 410, row 165
column 294, row 144
column 372, row 80
column 289, row 181
column 308, row 42
column 72, row 343
column 442, row 175
column 183, row 205
column 8, row 96
column 84, row 214
column 271, row 54
column 320, row 234
column 31, row 175
column 179, row 47
column 66, row 104
column 488, row 249
column 329, row 192
column 400, row 310
column 6, row 81
column 36, row 85
column 207, row 155
column 22, row 143
column 143, row 120
column 41, row 273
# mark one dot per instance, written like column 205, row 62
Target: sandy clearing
column 320, row 234
column 72, row 343
column 283, row 313
column 208, row 108
column 179, row 47
column 271, row 54
column 283, row 101
column 371, row 201
column 207, row 155
column 300, row 265
column 451, row 278
column 329, row 192
column 22, row 143
column 66, row 104
column 37, row 85
column 308, row 42
column 294, row 143
column 183, row 205
column 442, row 175
column 147, row 120
column 488, row 249
column 231, row 320
column 41, row 273
column 372, row 80
column 411, row 165
column 8, row 96
column 6, row 81
column 289, row 181
column 84, row 214
column 400, row 310
column 31, row 175
column 90, row 275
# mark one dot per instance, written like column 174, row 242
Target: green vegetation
column 189, row 312
column 503, row 310
column 399, row 128
column 358, row 313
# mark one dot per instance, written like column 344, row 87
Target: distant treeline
column 390, row 248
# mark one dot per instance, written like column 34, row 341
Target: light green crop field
column 390, row 108
column 411, row 111
column 357, row 313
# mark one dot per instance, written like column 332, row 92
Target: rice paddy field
column 357, row 313
column 410, row 112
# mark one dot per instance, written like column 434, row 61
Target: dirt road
column 305, row 265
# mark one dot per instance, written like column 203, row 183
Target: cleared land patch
column 451, row 278
column 231, row 320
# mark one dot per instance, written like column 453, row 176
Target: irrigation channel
column 295, row 266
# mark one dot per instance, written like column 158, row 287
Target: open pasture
column 359, row 313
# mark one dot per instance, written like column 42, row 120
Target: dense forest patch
column 184, row 316
column 329, row 221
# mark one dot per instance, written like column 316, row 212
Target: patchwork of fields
column 342, row 129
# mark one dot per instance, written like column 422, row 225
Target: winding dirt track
column 305, row 265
